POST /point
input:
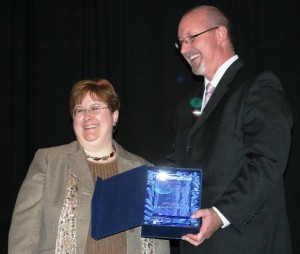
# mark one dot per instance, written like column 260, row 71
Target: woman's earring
column 114, row 126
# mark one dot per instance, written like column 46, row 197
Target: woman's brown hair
column 99, row 89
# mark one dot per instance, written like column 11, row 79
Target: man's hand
column 211, row 222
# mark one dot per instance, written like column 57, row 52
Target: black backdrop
column 46, row 46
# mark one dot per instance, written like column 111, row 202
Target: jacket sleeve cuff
column 222, row 217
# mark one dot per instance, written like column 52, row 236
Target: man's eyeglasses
column 190, row 38
column 93, row 110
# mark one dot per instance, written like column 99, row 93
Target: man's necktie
column 209, row 91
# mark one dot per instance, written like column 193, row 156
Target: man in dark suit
column 240, row 139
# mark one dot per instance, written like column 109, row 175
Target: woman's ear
column 115, row 117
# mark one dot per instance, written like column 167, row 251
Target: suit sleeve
column 266, row 126
column 25, row 227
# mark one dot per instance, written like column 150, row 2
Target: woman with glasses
column 53, row 209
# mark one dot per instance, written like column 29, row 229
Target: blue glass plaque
column 172, row 195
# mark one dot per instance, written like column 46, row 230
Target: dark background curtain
column 46, row 46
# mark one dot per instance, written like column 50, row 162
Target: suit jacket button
column 189, row 149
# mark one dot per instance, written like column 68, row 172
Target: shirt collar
column 220, row 72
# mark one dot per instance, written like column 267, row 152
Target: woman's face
column 94, row 129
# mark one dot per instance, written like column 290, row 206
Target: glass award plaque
column 172, row 196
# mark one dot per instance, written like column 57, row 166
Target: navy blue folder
column 159, row 199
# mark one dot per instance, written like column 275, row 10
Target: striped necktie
column 209, row 91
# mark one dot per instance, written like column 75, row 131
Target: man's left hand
column 211, row 222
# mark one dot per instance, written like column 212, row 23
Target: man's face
column 200, row 52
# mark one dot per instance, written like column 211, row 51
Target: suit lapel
column 79, row 165
column 219, row 92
